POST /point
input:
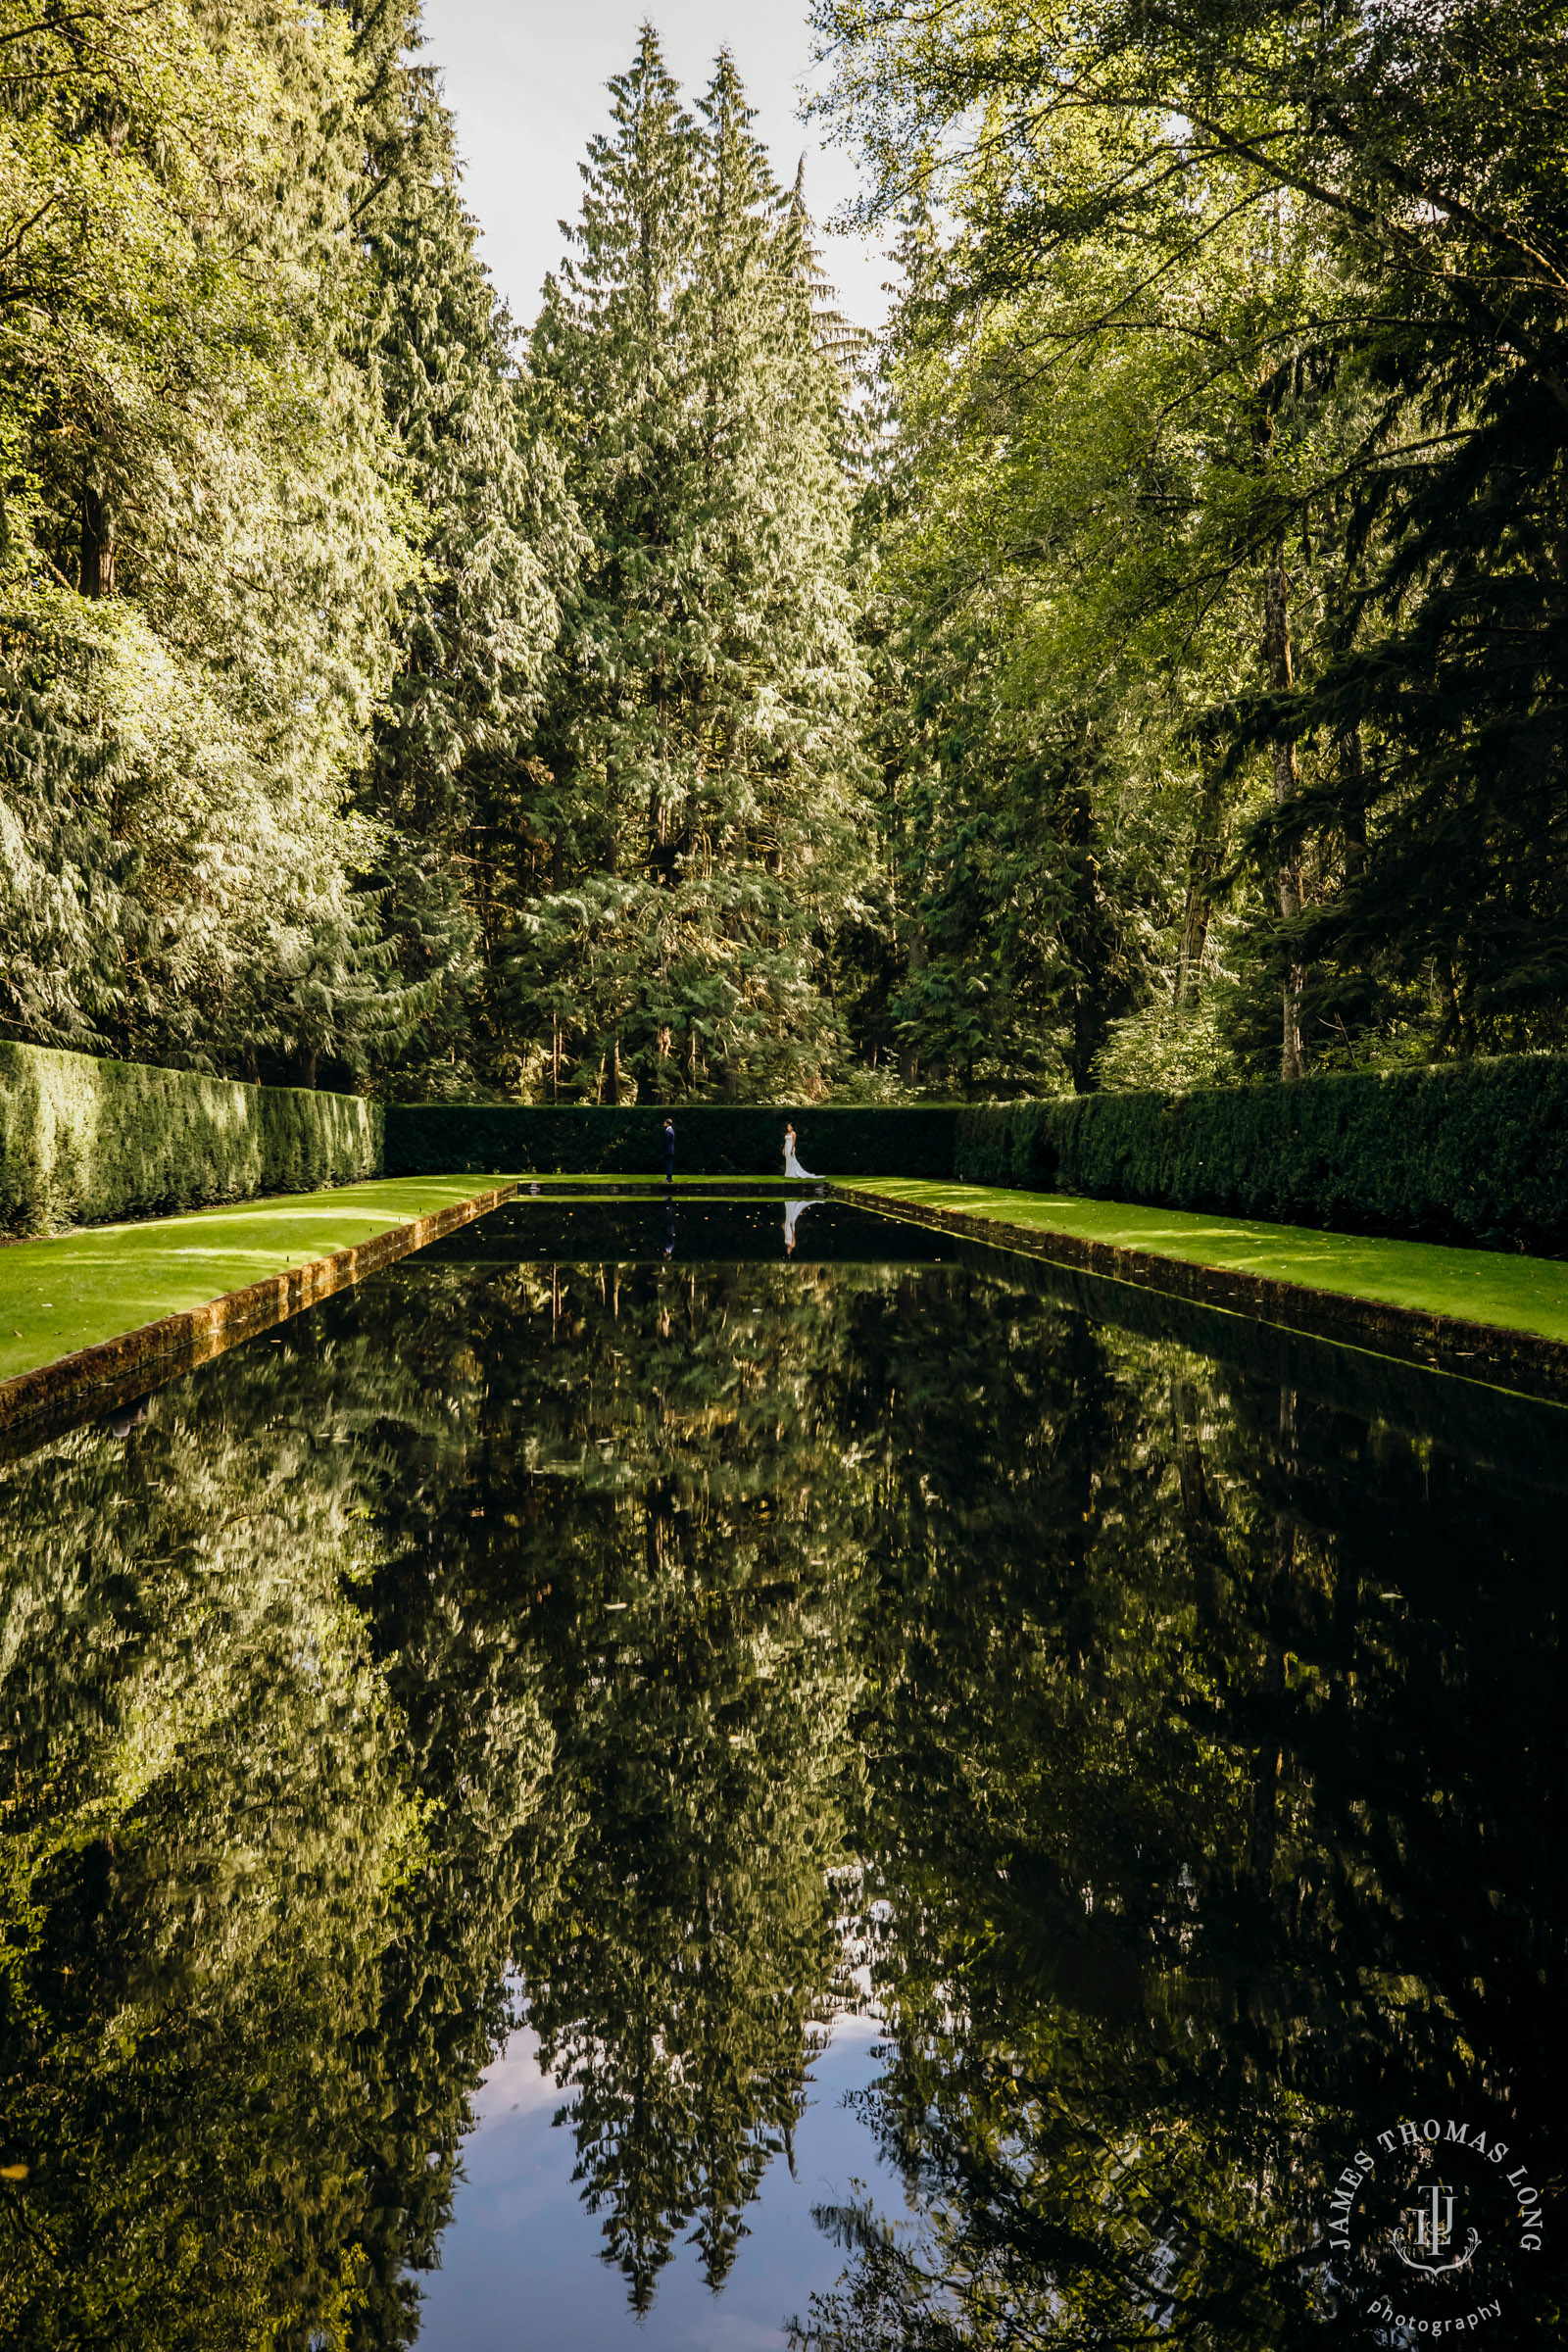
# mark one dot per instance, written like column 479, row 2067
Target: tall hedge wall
column 1467, row 1151
column 711, row 1139
column 84, row 1140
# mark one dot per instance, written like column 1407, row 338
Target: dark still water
column 869, row 1784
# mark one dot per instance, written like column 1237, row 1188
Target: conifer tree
column 699, row 779
column 276, row 554
column 480, row 617
column 204, row 545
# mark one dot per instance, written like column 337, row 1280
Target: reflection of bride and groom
column 792, row 1208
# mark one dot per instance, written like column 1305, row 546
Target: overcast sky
column 527, row 80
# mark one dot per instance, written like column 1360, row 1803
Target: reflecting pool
column 719, row 1774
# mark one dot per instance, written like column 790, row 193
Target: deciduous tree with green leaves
column 1402, row 687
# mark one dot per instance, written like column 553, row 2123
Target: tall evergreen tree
column 203, row 546
column 479, row 619
column 699, row 787
column 276, row 553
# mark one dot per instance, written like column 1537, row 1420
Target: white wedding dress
column 792, row 1211
column 793, row 1167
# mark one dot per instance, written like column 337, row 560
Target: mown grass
column 76, row 1289
column 79, row 1288
column 1481, row 1286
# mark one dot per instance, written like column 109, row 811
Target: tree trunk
column 1347, row 1604
column 1200, row 1519
column 1088, row 1036
column 615, row 1070
column 909, row 1058
column 307, row 1062
column 1455, row 1024
column 1277, row 665
column 1196, row 914
column 1203, row 863
column 97, row 542
column 1270, row 1752
column 662, row 853
column 1274, row 1602
column 1087, row 935
column 1353, row 769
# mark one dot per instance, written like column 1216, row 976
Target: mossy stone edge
column 1524, row 1362
column 115, row 1372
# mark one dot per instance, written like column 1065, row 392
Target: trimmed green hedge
column 711, row 1139
column 82, row 1141
column 1466, row 1152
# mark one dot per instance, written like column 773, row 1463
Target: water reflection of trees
column 1216, row 1737
column 246, row 1990
column 578, row 1624
column 666, row 1493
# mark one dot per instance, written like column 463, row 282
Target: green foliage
column 204, row 538
column 498, row 547
column 276, row 550
column 1226, row 492
column 1039, row 790
column 1471, row 1152
column 695, row 822
column 664, row 1643
column 1155, row 678
column 252, row 1968
column 678, row 1983
column 711, row 1139
column 1113, row 1771
column 83, row 1140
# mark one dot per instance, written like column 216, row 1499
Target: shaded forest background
column 1145, row 665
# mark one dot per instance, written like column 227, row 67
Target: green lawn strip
column 76, row 1289
column 1480, row 1285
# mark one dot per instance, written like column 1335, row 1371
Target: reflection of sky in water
column 519, row 2264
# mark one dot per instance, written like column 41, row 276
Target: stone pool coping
column 637, row 1188
column 1204, row 1260
column 114, row 1370
column 1515, row 1337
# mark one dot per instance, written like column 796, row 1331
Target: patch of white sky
column 525, row 80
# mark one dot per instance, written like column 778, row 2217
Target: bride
column 792, row 1166
column 792, row 1211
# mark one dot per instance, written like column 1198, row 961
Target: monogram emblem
column 1425, row 2236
